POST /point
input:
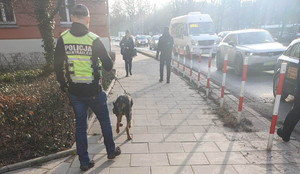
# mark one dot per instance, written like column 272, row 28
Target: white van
column 195, row 31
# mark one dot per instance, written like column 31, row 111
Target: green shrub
column 20, row 76
column 35, row 116
column 35, row 120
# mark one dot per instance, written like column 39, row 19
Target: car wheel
column 238, row 69
column 284, row 94
column 219, row 61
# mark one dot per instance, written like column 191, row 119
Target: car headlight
column 194, row 42
column 248, row 53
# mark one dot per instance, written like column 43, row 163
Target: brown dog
column 123, row 106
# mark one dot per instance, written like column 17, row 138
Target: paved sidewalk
column 176, row 131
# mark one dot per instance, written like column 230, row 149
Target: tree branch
column 56, row 9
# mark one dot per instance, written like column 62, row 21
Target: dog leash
column 122, row 86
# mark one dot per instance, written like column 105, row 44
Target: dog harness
column 79, row 57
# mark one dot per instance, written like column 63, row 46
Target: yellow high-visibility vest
column 79, row 57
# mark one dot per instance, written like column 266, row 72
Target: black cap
column 80, row 10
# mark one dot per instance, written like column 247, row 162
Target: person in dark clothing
column 79, row 57
column 164, row 47
column 293, row 116
column 127, row 47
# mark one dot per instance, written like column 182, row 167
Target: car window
column 295, row 51
column 291, row 50
column 255, row 38
column 227, row 38
column 233, row 39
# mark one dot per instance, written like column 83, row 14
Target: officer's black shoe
column 280, row 134
column 88, row 166
column 160, row 80
column 126, row 75
column 113, row 155
column 130, row 73
column 168, row 81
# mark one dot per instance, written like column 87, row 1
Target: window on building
column 7, row 15
column 65, row 11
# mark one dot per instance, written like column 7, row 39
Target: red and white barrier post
column 276, row 105
column 245, row 66
column 183, row 67
column 199, row 68
column 191, row 64
column 173, row 51
column 178, row 57
column 208, row 73
column 223, row 80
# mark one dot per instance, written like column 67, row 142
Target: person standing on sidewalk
column 165, row 46
column 127, row 48
column 293, row 116
column 79, row 57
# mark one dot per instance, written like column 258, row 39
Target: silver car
column 258, row 45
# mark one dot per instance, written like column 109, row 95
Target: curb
column 57, row 155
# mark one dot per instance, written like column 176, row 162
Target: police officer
column 165, row 46
column 78, row 70
column 293, row 116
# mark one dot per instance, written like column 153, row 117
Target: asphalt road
column 258, row 88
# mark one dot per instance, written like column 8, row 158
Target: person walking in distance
column 78, row 61
column 293, row 116
column 164, row 48
column 127, row 48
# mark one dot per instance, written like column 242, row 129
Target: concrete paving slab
column 277, row 145
column 172, row 170
column 60, row 169
column 29, row 170
column 235, row 146
column 134, row 148
column 75, row 170
column 226, row 158
column 122, row 160
column 190, row 129
column 288, row 168
column 130, row 170
column 265, row 157
column 165, row 147
column 183, row 159
column 138, row 138
column 161, row 129
column 140, row 160
column 210, row 137
column 200, row 147
column 179, row 137
column 255, row 169
column 242, row 136
column 214, row 169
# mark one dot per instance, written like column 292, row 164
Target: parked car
column 221, row 35
column 291, row 57
column 141, row 40
column 257, row 44
column 153, row 42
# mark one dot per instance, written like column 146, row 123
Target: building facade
column 20, row 39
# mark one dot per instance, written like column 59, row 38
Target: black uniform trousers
column 128, row 65
column 292, row 118
column 164, row 61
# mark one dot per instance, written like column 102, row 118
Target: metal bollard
column 276, row 105
column 223, row 80
column 208, row 73
column 199, row 68
column 242, row 90
column 191, row 64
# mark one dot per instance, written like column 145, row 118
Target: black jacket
column 165, row 46
column 127, row 47
column 98, row 51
